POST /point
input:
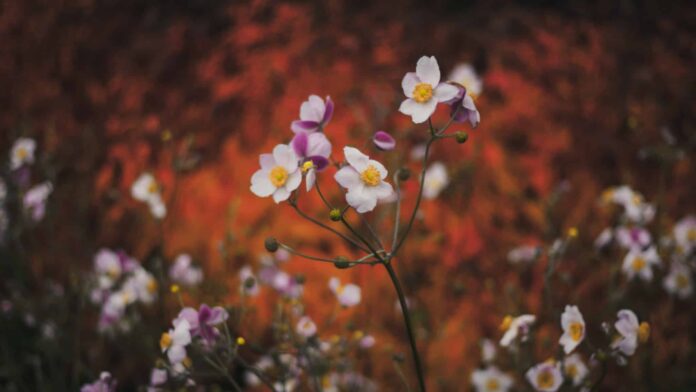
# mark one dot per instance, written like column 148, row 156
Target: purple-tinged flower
column 35, row 200
column 158, row 377
column 546, row 376
column 306, row 327
column 314, row 115
column 183, row 272
column 463, row 108
column 105, row 383
column 313, row 150
column 384, row 141
column 633, row 237
column 203, row 321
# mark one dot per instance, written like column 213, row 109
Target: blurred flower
column 3, row 191
column 575, row 368
column 685, row 234
column 314, row 115
column 262, row 365
column 175, row 341
column 417, row 152
column 604, row 238
column 635, row 208
column 546, row 376
column 514, row 327
column 633, row 237
column 249, row 285
column 364, row 179
column 523, row 254
column 491, row 379
column 22, row 153
column 279, row 174
column 424, row 90
column 203, row 321
column 573, row 328
column 157, row 377
column 639, row 263
column 348, row 294
column 678, row 282
column 306, row 327
column 105, row 383
column 142, row 284
column 35, row 200
column 488, row 350
column 436, row 179
column 146, row 189
column 184, row 273
column 462, row 107
column 465, row 75
column 630, row 332
column 366, row 341
column 384, row 141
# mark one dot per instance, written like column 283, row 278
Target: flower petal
column 285, row 156
column 444, row 92
column 408, row 83
column 356, row 158
column 312, row 109
column 281, row 194
column 384, row 141
column 347, row 177
column 318, row 145
column 261, row 184
column 310, row 179
column 328, row 110
column 293, row 181
column 298, row 126
column 299, row 144
column 419, row 112
column 428, row 71
column 266, row 161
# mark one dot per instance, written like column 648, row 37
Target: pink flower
column 314, row 115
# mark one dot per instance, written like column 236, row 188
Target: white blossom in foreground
column 175, row 341
column 364, row 179
column 515, row 327
column 679, row 282
column 424, row 90
column 436, row 179
column 183, row 272
column 573, row 328
column 575, row 368
column 306, row 327
column 546, row 376
column 639, row 263
column 348, row 294
column 491, row 379
column 630, row 332
column 279, row 174
column 146, row 189
column 22, row 153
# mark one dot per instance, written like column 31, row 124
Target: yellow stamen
column 608, row 195
column 151, row 286
column 187, row 362
column 152, row 188
column 307, row 166
column 573, row 232
column 691, row 235
column 545, row 380
column 174, row 288
column 241, row 341
column 636, row 200
column 571, row 370
column 575, row 330
column 422, row 93
column 492, row 384
column 278, row 176
column 643, row 332
column 357, row 335
column 371, row 176
column 638, row 264
column 507, row 321
column 22, row 153
column 165, row 341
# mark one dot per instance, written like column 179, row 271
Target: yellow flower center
column 643, row 332
column 422, row 92
column 112, row 272
column 339, row 289
column 608, row 195
column 174, row 288
column 571, row 370
column 682, row 281
column 492, row 384
column 691, row 235
column 638, row 264
column 165, row 341
column 278, row 176
column 573, row 232
column 22, row 153
column 507, row 321
column 307, row 166
column 187, row 362
column 358, row 334
column 151, row 286
column 371, row 176
column 575, row 331
column 152, row 188
column 636, row 200
column 545, row 380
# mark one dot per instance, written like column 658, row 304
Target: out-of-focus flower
column 3, row 191
column 685, row 234
column 436, row 179
column 384, row 141
column 417, row 152
column 424, row 90
column 636, row 210
column 633, row 237
column 546, row 376
column 348, row 294
column 22, row 153
column 142, row 284
column 249, row 284
column 491, row 379
column 105, row 383
column 306, row 327
column 465, row 75
column 158, row 377
column 184, row 273
column 315, row 113
column 488, row 351
column 630, row 332
column 575, row 368
column 515, row 327
column 364, row 179
column 366, row 341
column 146, row 189
column 604, row 238
column 462, row 107
column 262, row 365
column 175, row 341
column 523, row 254
column 279, row 174
column 203, row 321
column 639, row 263
column 35, row 200
column 573, row 328
column 678, row 282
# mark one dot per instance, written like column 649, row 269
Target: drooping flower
column 633, row 237
column 630, row 332
column 436, row 179
column 424, row 90
column 573, row 328
column 523, row 254
column 679, row 282
column 203, row 321
column 515, row 327
column 491, row 379
column 348, row 295
column 575, row 368
column 175, row 341
column 462, row 107
column 384, row 141
column 35, row 200
column 146, row 189
column 306, row 327
column 639, row 263
column 279, row 174
column 685, row 234
column 183, row 272
column 22, row 153
column 315, row 113
column 105, row 383
column 364, row 179
column 465, row 75
column 546, row 376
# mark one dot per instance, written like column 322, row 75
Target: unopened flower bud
column 461, row 137
column 271, row 244
column 404, row 174
column 300, row 279
column 335, row 215
column 249, row 282
column 341, row 262
column 384, row 141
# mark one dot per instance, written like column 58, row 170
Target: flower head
column 364, row 179
column 634, row 237
column 630, row 332
column 146, row 189
column 384, row 141
column 679, row 282
column 639, row 263
column 313, row 150
column 514, row 327
column 315, row 113
column 491, row 379
column 573, row 328
column 306, row 327
column 35, row 200
column 347, row 294
column 523, row 254
column 105, row 383
column 22, row 153
column 174, row 341
column 465, row 75
column 183, row 272
column 203, row 321
column 279, row 174
column 424, row 90
column 436, row 179
column 685, row 234
column 546, row 376
column 575, row 369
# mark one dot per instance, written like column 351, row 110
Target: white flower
column 175, row 341
column 523, row 254
column 35, row 200
column 488, row 350
column 142, row 284
column 306, row 327
column 348, row 294
column 639, row 263
column 436, row 179
column 679, row 281
column 146, row 189
column 635, row 208
column 107, row 262
column 630, row 332
column 364, row 179
column 575, row 368
column 685, row 234
column 573, row 328
column 514, row 327
column 546, row 376
column 633, row 237
column 158, row 377
column 424, row 90
column 466, row 75
column 279, row 174
column 490, row 379
column 184, row 273
column 22, row 152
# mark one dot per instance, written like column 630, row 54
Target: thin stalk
column 372, row 231
column 321, row 259
column 322, row 225
column 397, row 212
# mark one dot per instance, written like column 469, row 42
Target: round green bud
column 461, row 137
column 341, row 262
column 271, row 244
column 335, row 215
column 404, row 174
column 249, row 282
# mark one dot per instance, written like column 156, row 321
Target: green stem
column 320, row 224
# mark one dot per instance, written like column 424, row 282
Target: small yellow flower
column 241, row 341
column 166, row 135
column 507, row 321
column 174, row 288
column 643, row 332
column 573, row 232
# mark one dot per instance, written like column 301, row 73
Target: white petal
column 444, row 92
column 468, row 103
column 428, row 71
column 312, row 109
column 261, row 184
column 383, row 191
column 347, row 177
column 408, row 83
column 281, row 194
column 293, row 181
column 355, row 158
column 361, row 199
column 310, row 179
column 176, row 354
column 285, row 156
column 266, row 161
column 422, row 111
